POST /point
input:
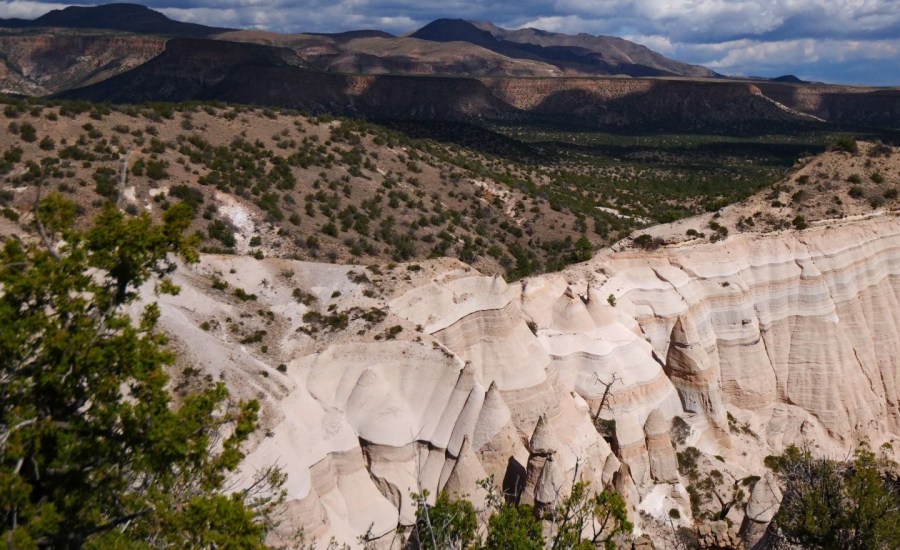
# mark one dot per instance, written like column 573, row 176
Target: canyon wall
column 439, row 376
column 41, row 64
column 206, row 70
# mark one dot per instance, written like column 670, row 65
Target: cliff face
column 40, row 64
column 799, row 328
column 438, row 375
column 194, row 69
column 843, row 105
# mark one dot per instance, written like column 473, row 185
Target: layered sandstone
column 42, row 64
column 794, row 335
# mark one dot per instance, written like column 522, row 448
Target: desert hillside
column 665, row 362
column 239, row 72
column 278, row 183
column 378, row 382
column 281, row 184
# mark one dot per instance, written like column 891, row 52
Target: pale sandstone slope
column 793, row 334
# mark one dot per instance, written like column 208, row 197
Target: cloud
column 25, row 9
column 833, row 40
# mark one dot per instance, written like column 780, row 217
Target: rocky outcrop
column 763, row 504
column 799, row 327
column 43, row 64
column 694, row 370
column 661, row 454
column 542, row 481
column 465, row 476
column 718, row 535
column 792, row 335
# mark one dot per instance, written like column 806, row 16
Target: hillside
column 344, row 190
column 206, row 70
column 359, row 283
column 287, row 185
column 377, row 381
column 373, row 54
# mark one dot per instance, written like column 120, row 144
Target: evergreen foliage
column 853, row 504
column 94, row 452
column 582, row 519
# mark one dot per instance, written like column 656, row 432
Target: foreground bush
column 852, row 504
column 93, row 450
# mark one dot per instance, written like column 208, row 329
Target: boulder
column 763, row 504
column 663, row 463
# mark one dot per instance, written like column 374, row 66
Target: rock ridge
column 756, row 342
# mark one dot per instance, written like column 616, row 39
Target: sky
column 841, row 41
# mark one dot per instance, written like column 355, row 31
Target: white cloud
column 26, row 9
column 205, row 16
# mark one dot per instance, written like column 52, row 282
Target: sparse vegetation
column 852, row 504
column 511, row 200
column 243, row 295
column 581, row 519
column 844, row 143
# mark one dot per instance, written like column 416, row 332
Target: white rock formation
column 796, row 333
column 661, row 454
column 763, row 504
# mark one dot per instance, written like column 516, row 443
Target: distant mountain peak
column 578, row 54
column 455, row 30
column 120, row 17
column 788, row 79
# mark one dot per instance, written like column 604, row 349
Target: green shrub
column 644, row 241
column 243, row 295
column 853, row 503
column 27, row 132
column 218, row 230
column 156, row 169
column 844, row 143
column 188, row 195
column 105, row 182
column 10, row 214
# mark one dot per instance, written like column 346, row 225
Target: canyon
column 440, row 376
column 763, row 316
column 720, row 338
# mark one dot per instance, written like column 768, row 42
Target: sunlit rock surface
column 794, row 334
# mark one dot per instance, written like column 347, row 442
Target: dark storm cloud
column 834, row 40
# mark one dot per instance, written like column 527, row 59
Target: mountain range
column 475, row 71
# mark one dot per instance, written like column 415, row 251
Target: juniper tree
column 94, row 451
